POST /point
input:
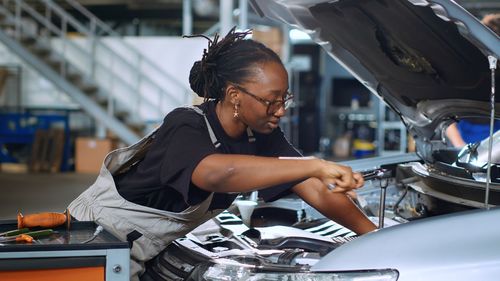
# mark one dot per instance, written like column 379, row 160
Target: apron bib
column 148, row 230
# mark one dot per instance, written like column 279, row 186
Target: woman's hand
column 339, row 178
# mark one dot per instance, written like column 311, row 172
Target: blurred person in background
column 474, row 130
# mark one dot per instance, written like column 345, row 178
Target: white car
column 432, row 63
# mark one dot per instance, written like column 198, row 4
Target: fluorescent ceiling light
column 298, row 35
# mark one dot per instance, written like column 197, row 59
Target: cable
column 404, row 183
column 98, row 230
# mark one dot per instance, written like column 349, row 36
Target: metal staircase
column 91, row 63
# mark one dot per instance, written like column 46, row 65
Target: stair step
column 102, row 101
column 40, row 49
column 73, row 75
column 88, row 88
column 28, row 39
column 6, row 23
column 54, row 61
column 121, row 114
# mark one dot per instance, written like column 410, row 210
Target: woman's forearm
column 241, row 173
column 335, row 206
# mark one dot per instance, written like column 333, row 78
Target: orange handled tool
column 45, row 220
column 18, row 238
column 24, row 238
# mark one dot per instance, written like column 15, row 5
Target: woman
column 196, row 163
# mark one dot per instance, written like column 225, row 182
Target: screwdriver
column 18, row 238
column 27, row 236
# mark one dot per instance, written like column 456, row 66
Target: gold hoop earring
column 236, row 113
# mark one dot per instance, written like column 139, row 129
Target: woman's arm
column 242, row 173
column 334, row 205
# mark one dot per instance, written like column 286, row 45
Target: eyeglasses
column 272, row 106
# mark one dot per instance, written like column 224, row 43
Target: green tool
column 40, row 233
column 14, row 232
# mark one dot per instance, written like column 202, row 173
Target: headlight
column 234, row 271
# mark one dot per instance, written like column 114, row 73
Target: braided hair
column 228, row 60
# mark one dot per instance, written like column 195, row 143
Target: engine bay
column 289, row 235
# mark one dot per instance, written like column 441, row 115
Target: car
column 431, row 62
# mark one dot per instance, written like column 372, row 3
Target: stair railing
column 96, row 23
column 114, row 71
column 130, row 54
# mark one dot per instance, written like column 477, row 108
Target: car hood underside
column 428, row 60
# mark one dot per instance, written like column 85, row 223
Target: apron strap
column 251, row 137
column 213, row 138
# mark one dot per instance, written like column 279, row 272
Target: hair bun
column 228, row 60
column 196, row 81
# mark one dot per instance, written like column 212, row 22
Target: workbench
column 63, row 256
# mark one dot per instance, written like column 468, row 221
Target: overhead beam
column 225, row 16
column 187, row 17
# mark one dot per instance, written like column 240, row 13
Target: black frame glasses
column 272, row 106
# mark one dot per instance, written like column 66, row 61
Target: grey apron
column 149, row 230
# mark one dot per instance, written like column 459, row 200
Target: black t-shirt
column 162, row 180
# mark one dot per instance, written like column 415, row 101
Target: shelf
column 347, row 113
column 349, row 110
column 391, row 125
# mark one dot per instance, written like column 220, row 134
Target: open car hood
column 428, row 60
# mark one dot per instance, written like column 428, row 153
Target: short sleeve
column 276, row 145
column 188, row 143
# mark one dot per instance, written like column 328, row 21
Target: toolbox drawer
column 54, row 269
column 63, row 256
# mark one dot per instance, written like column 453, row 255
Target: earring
column 236, row 114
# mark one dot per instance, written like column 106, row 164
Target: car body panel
column 460, row 246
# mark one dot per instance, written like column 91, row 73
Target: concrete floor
column 33, row 193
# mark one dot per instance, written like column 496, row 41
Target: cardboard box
column 15, row 168
column 268, row 35
column 272, row 37
column 90, row 153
